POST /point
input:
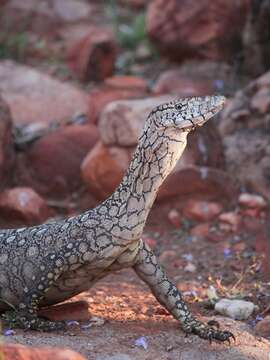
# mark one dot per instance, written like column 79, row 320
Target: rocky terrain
column 77, row 80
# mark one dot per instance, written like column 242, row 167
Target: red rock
column 46, row 18
column 204, row 182
column 92, row 57
column 52, row 164
column 240, row 246
column 103, row 169
column 175, row 218
column 252, row 201
column 152, row 243
column 100, row 97
column 33, row 96
column 121, row 122
column 200, row 230
column 19, row 352
column 195, row 77
column 232, row 218
column 248, row 147
column 261, row 102
column 204, row 29
column 262, row 328
column 225, row 227
column 23, row 204
column 202, row 210
column 252, row 224
column 215, row 236
column 255, row 212
column 78, row 310
column 7, row 150
column 127, row 82
column 174, row 82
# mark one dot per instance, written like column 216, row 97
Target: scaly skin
column 46, row 264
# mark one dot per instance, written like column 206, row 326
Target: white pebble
column 190, row 268
column 235, row 309
column 252, row 201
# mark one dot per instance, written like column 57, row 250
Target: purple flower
column 141, row 342
column 72, row 322
column 9, row 332
column 86, row 326
column 258, row 318
column 226, row 252
column 219, row 84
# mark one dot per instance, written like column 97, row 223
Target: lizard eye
column 178, row 107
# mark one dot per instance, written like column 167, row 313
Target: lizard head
column 188, row 113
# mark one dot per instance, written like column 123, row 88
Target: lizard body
column 49, row 263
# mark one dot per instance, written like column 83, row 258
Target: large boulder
column 34, row 96
column 120, row 125
column 115, row 88
column 92, row 56
column 256, row 38
column 244, row 126
column 51, row 164
column 206, row 183
column 203, row 29
column 7, row 151
column 22, row 205
column 121, row 121
column 196, row 78
column 103, row 169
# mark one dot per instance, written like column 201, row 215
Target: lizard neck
column 154, row 158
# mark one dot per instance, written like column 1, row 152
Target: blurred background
column 77, row 80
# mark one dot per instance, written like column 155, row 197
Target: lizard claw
column 222, row 336
column 210, row 333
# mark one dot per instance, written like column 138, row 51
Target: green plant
column 13, row 46
column 131, row 35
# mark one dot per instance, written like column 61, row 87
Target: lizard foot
column 209, row 332
column 28, row 321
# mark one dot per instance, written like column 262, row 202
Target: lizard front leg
column 148, row 269
column 25, row 315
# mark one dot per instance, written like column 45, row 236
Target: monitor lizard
column 49, row 263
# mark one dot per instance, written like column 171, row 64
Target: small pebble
column 97, row 321
column 190, row 268
column 175, row 218
column 252, row 201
